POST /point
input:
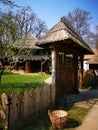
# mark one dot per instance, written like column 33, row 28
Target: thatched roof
column 63, row 33
column 36, row 57
column 28, row 41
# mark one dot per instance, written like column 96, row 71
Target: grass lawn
column 19, row 82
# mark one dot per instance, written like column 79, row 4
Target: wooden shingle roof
column 62, row 32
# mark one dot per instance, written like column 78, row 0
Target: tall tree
column 10, row 3
column 96, row 34
column 80, row 21
column 2, row 28
column 17, row 25
column 29, row 22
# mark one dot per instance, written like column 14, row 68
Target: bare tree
column 29, row 22
column 91, row 39
column 96, row 36
column 80, row 21
column 10, row 3
column 40, row 28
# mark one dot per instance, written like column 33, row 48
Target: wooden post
column 53, row 56
column 81, row 62
column 57, row 72
column 54, row 68
column 75, row 61
column 80, row 72
column 42, row 63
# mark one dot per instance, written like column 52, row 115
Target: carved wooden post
column 53, row 58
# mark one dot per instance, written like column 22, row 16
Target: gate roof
column 63, row 33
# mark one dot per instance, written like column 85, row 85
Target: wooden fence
column 25, row 106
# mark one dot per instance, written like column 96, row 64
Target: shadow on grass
column 43, row 123
column 71, row 123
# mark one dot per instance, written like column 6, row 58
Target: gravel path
column 87, row 99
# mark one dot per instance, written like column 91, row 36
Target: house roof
column 61, row 33
column 95, row 54
column 36, row 57
column 92, row 59
column 28, row 41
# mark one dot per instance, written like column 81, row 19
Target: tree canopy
column 17, row 25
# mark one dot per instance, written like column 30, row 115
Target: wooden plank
column 13, row 110
column 4, row 109
column 26, row 104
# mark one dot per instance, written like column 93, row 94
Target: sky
column 51, row 11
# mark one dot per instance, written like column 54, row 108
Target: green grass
column 16, row 82
column 75, row 117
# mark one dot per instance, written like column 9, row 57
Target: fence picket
column 26, row 105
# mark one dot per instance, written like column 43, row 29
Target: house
column 67, row 51
column 92, row 60
column 30, row 58
column 91, row 69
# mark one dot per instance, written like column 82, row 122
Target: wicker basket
column 58, row 118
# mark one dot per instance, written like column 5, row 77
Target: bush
column 1, row 126
column 89, row 81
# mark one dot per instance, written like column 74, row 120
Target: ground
column 87, row 99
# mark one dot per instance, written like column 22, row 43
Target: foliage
column 16, row 82
column 25, row 46
column 1, row 126
column 15, row 25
